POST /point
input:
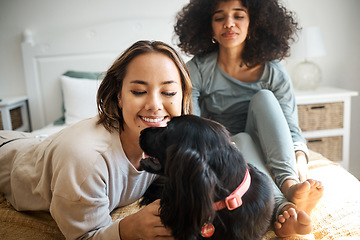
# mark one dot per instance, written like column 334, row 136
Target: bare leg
column 291, row 223
column 305, row 195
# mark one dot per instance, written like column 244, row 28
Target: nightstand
column 324, row 118
column 14, row 114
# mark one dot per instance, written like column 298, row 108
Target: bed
column 62, row 72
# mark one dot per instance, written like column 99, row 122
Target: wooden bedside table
column 324, row 118
column 14, row 114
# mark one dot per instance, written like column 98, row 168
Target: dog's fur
column 200, row 165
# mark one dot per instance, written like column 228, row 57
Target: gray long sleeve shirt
column 222, row 98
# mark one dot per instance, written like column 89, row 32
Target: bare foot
column 306, row 194
column 291, row 223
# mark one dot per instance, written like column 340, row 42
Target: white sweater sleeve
column 78, row 220
column 80, row 205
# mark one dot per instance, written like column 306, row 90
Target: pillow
column 79, row 95
column 78, row 74
column 87, row 75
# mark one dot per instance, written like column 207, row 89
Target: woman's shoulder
column 276, row 65
column 86, row 128
column 83, row 141
column 201, row 68
column 203, row 62
column 274, row 76
column 276, row 70
column 83, row 151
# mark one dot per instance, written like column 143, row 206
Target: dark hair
column 200, row 165
column 271, row 30
column 107, row 97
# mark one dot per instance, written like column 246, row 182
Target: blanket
column 336, row 216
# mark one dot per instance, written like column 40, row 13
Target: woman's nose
column 229, row 23
column 154, row 103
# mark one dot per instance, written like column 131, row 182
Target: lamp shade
column 310, row 44
column 307, row 75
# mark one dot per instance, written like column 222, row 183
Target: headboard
column 90, row 49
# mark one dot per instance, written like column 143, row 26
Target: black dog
column 201, row 166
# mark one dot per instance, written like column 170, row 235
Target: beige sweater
column 80, row 174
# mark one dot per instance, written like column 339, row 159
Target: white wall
column 339, row 24
column 338, row 20
column 47, row 18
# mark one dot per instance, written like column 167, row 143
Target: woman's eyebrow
column 146, row 83
column 139, row 82
column 170, row 82
column 234, row 9
column 239, row 9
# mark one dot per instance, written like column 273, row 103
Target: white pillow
column 79, row 98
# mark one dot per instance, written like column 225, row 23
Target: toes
column 277, row 225
column 286, row 214
column 303, row 187
column 281, row 219
column 292, row 212
column 296, row 223
column 319, row 186
column 311, row 181
column 314, row 183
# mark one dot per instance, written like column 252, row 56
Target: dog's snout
column 152, row 139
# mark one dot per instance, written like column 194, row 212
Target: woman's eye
column 170, row 93
column 239, row 17
column 135, row 92
column 218, row 19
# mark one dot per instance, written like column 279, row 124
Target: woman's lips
column 229, row 34
column 155, row 121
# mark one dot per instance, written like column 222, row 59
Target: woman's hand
column 145, row 224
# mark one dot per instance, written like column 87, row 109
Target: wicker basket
column 16, row 119
column 329, row 147
column 321, row 116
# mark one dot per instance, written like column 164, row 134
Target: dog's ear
column 187, row 201
column 254, row 215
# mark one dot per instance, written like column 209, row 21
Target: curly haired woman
column 238, row 81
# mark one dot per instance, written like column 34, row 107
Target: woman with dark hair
column 82, row 173
column 239, row 82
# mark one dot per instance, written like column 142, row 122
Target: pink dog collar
column 234, row 201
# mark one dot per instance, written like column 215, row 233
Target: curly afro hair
column 272, row 29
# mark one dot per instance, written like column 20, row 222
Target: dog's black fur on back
column 200, row 165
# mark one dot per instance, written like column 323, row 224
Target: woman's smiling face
column 151, row 93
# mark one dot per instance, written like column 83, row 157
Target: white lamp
column 307, row 75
